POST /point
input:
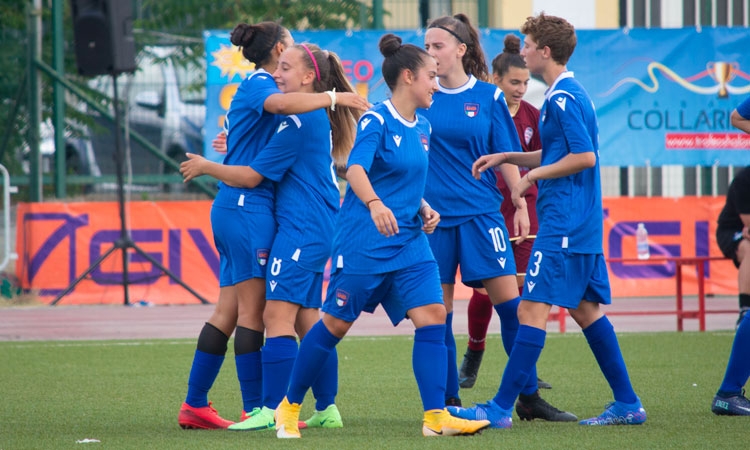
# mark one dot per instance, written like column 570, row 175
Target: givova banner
column 57, row 242
column 663, row 96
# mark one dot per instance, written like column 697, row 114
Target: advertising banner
column 57, row 242
column 663, row 96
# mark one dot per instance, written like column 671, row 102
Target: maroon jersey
column 527, row 126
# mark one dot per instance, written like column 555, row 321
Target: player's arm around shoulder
column 739, row 122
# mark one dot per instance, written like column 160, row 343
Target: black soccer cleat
column 530, row 407
column 467, row 374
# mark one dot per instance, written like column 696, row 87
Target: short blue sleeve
column 571, row 120
column 744, row 109
column 369, row 136
column 281, row 152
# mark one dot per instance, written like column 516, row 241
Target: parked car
column 79, row 153
column 166, row 105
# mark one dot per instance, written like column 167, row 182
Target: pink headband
column 315, row 63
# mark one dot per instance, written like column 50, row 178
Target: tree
column 160, row 19
column 169, row 22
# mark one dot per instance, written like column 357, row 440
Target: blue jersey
column 569, row 208
column 467, row 122
column 393, row 152
column 249, row 128
column 299, row 159
column 744, row 109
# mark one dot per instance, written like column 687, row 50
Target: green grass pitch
column 126, row 394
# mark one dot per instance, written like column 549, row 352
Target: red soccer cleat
column 205, row 418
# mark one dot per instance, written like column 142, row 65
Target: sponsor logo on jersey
column 342, row 297
column 471, row 109
column 502, row 262
column 560, row 101
column 262, row 256
column 528, row 133
column 363, row 124
column 425, row 142
column 530, row 285
column 282, row 127
column 397, row 140
column 273, row 284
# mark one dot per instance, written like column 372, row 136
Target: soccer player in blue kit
column 300, row 159
column 380, row 253
column 567, row 266
column 244, row 227
column 733, row 238
column 469, row 119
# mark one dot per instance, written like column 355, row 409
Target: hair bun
column 512, row 44
column 242, row 35
column 389, row 44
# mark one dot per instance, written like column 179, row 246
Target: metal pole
column 124, row 236
column 483, row 12
column 34, row 19
column 58, row 103
column 377, row 14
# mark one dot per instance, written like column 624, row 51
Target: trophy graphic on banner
column 722, row 72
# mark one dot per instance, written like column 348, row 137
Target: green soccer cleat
column 328, row 418
column 259, row 419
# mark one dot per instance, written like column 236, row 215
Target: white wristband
column 332, row 94
column 423, row 206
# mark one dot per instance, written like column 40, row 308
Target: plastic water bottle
column 641, row 241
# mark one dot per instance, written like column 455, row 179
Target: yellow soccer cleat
column 287, row 420
column 438, row 422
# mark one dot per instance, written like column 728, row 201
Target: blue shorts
column 564, row 279
column 289, row 282
column 481, row 247
column 398, row 292
column 243, row 239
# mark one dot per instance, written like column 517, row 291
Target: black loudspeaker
column 103, row 34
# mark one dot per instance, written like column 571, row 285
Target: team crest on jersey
column 528, row 133
column 471, row 109
column 262, row 256
column 342, row 297
column 425, row 142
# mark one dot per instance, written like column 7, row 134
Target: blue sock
column 603, row 342
column 250, row 376
column 430, row 364
column 203, row 373
column 508, row 312
column 314, row 351
column 738, row 368
column 451, row 385
column 526, row 350
column 278, row 357
column 326, row 386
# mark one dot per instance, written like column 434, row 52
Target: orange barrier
column 56, row 242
